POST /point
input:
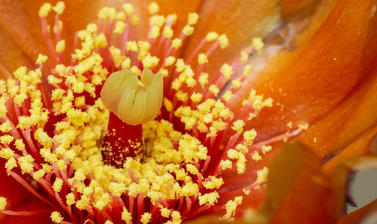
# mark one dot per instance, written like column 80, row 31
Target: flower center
column 132, row 102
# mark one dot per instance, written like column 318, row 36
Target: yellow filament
column 135, row 101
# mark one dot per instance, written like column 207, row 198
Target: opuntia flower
column 169, row 111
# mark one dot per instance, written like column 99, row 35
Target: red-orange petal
column 299, row 192
column 331, row 57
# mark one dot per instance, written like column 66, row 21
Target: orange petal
column 295, row 8
column 239, row 20
column 331, row 58
column 299, row 192
column 354, row 115
column 359, row 215
column 17, row 44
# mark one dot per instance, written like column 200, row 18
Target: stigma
column 133, row 100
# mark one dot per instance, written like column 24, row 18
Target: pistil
column 132, row 101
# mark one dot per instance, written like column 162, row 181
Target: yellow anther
column 228, row 95
column 153, row 8
column 146, row 218
column 132, row 46
column 70, row 198
column 58, row 184
column 6, row 153
column 135, row 20
column 266, row 148
column 44, row 10
column 244, row 56
column 225, row 164
column 5, row 127
column 56, row 217
column 154, row 32
column 168, row 105
column 203, row 79
column 128, row 8
column 157, row 21
column 208, row 198
column 169, row 60
column 168, row 32
column 213, row 183
column 196, row 97
column 132, row 103
column 165, row 212
column 38, row 174
column 59, row 7
column 100, row 41
column 211, row 36
column 188, row 30
column 258, row 44
column 19, row 144
column 193, row 18
column 249, row 136
column 119, row 27
column 226, row 70
column 180, row 65
column 60, row 46
column 3, row 203
column 202, row 59
column 231, row 207
column 41, row 59
column 238, row 126
column 214, row 89
column 256, row 156
column 10, row 164
column 262, row 175
column 223, row 41
column 176, row 43
column 126, row 215
column 236, row 84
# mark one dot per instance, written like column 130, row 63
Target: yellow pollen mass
column 226, row 70
column 153, row 8
column 126, row 215
column 44, row 10
column 59, row 7
column 258, row 44
column 146, row 218
column 56, row 217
